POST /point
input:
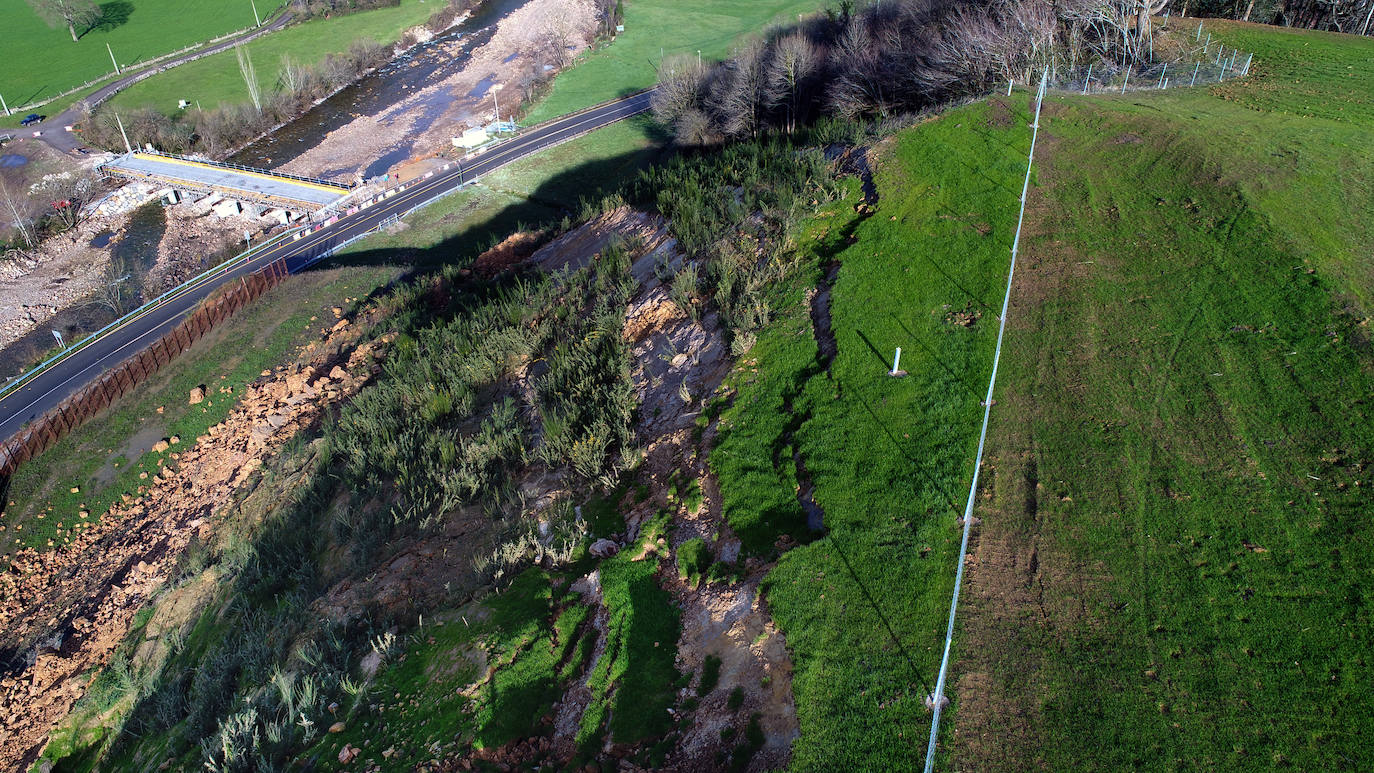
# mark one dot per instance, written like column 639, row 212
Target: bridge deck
column 238, row 183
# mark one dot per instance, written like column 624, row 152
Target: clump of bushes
column 732, row 212
column 897, row 56
column 693, row 559
column 481, row 381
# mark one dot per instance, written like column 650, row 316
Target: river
column 381, row 90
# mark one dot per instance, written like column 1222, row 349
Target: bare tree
column 19, row 214
column 292, row 76
column 250, row 76
column 118, row 287
column 794, row 60
column 559, row 40
column 737, row 105
column 679, row 79
column 73, row 13
column 70, row 196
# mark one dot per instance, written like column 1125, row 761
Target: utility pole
column 112, row 59
column 256, row 19
column 127, row 146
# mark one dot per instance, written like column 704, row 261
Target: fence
column 144, row 63
column 46, row 430
column 1208, row 61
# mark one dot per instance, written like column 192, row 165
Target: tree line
column 892, row 56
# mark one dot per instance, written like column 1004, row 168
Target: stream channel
column 379, row 91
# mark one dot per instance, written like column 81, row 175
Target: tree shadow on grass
column 112, row 14
column 561, row 195
column 872, row 600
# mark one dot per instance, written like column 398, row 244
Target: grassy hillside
column 1175, row 567
column 43, row 61
column 1172, row 568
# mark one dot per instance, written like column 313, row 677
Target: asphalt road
column 53, row 130
column 46, row 390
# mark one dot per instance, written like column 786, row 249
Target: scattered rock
column 348, row 753
column 337, row 727
column 604, row 548
column 197, row 395
column 160, row 446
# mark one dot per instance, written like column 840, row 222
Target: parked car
column 31, row 119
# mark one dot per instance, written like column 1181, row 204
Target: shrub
column 710, row 676
column 693, row 558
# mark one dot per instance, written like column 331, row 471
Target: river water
column 378, row 91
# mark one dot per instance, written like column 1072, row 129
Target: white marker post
column 1195, row 69
column 58, row 335
column 256, row 19
column 1128, row 80
column 1009, row 83
column 2, row 104
column 896, row 360
column 1088, row 79
column 112, row 59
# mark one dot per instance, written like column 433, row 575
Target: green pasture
column 42, row 61
column 1183, row 433
column 216, row 79
column 655, row 30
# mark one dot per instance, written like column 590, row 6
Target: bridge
column 45, row 387
column 233, row 182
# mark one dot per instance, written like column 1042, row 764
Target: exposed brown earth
column 1022, row 592
column 63, row 611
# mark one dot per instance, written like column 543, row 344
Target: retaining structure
column 44, row 432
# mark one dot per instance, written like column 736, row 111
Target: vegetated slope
column 1174, row 568
column 42, row 61
column 821, row 446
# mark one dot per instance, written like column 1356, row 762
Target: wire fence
column 1207, row 63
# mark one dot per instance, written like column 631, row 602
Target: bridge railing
column 241, row 168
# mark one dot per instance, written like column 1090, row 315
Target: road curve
column 54, row 130
column 49, row 388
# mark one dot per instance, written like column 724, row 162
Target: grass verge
column 104, row 458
